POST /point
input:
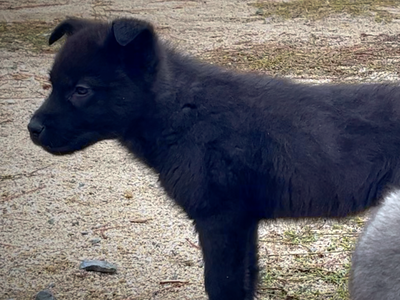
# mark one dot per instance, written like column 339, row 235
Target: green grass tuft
column 32, row 36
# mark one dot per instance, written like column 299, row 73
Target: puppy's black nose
column 35, row 127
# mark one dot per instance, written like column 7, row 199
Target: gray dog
column 375, row 271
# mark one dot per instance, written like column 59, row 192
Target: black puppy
column 230, row 148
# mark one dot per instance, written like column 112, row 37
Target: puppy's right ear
column 68, row 27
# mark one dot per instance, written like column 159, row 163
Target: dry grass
column 319, row 9
column 373, row 60
column 309, row 261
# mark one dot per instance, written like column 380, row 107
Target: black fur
column 230, row 148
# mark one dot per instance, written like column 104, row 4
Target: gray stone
column 98, row 266
column 95, row 241
column 44, row 295
column 259, row 12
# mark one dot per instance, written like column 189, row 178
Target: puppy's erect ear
column 68, row 27
column 138, row 43
column 127, row 30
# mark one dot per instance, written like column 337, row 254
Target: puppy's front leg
column 252, row 261
column 224, row 241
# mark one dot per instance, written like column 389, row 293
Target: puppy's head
column 101, row 82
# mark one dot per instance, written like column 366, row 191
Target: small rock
column 46, row 86
column 81, row 184
column 84, row 232
column 98, row 266
column 10, row 101
column 188, row 263
column 128, row 194
column 201, row 264
column 95, row 241
column 75, row 223
column 259, row 12
column 44, row 295
column 51, row 221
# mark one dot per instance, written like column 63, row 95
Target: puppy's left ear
column 127, row 30
column 138, row 43
column 68, row 27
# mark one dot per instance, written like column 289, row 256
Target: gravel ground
column 102, row 203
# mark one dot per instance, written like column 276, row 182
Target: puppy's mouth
column 71, row 146
column 56, row 147
column 57, row 150
column 60, row 151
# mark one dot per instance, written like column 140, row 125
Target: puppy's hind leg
column 229, row 268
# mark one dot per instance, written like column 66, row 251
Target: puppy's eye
column 80, row 95
column 81, row 90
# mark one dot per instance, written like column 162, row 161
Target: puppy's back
column 375, row 270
